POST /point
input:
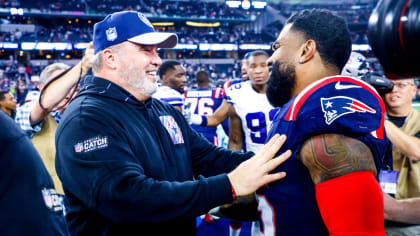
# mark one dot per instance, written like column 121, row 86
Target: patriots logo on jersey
column 335, row 107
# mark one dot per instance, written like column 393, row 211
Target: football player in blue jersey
column 173, row 77
column 204, row 101
column 221, row 114
column 335, row 127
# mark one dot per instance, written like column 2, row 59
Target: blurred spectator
column 403, row 210
column 40, row 123
column 7, row 103
column 403, row 130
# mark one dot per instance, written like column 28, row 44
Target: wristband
column 233, row 192
column 196, row 119
column 203, row 121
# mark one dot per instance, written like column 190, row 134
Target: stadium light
column 202, row 24
column 249, row 46
column 80, row 46
column 27, row 46
column 163, row 23
column 259, row 4
column 218, row 47
column 246, row 4
column 16, row 11
column 7, row 45
column 181, row 46
column 233, row 4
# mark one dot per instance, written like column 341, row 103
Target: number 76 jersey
column 255, row 112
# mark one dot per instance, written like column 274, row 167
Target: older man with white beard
column 130, row 164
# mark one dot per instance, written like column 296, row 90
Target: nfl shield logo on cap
column 111, row 34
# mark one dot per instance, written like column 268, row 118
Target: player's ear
column 164, row 78
column 308, row 50
column 109, row 59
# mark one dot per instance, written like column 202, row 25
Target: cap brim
column 161, row 39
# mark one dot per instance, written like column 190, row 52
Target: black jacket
column 128, row 166
column 28, row 202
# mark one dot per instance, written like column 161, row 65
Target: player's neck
column 259, row 88
column 6, row 110
column 308, row 76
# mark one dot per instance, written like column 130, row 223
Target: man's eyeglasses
column 402, row 85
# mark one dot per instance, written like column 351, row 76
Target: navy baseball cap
column 131, row 26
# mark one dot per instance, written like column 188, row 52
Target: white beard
column 139, row 81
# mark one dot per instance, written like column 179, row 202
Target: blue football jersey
column 340, row 105
column 205, row 102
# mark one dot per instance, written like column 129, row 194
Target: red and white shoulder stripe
column 217, row 92
column 310, row 89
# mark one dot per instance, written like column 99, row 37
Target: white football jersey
column 255, row 112
column 169, row 95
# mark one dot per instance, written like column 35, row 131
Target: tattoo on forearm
column 328, row 156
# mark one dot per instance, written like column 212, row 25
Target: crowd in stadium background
column 213, row 35
column 72, row 22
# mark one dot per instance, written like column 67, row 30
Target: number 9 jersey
column 255, row 112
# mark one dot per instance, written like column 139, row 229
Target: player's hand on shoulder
column 255, row 172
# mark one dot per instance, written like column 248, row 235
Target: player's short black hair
column 328, row 30
column 167, row 65
column 202, row 77
column 3, row 95
column 258, row 53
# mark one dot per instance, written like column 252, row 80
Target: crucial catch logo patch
column 335, row 107
column 91, row 144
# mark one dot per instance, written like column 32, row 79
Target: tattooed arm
column 349, row 197
column 328, row 156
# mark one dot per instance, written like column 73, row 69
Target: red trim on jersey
column 185, row 93
column 309, row 90
column 215, row 141
column 234, row 227
column 225, row 87
column 262, row 229
column 217, row 92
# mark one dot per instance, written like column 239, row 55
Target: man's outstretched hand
column 255, row 172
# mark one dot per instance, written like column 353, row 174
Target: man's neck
column 311, row 72
column 7, row 111
column 138, row 95
column 259, row 88
column 398, row 111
